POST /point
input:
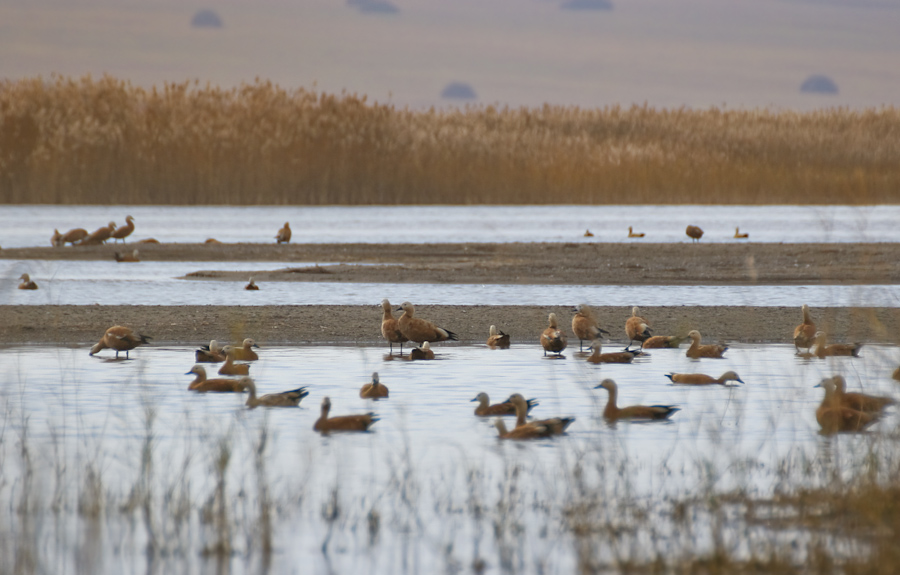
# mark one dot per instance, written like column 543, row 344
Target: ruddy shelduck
column 245, row 352
column 120, row 338
column 626, row 356
column 835, row 418
column 212, row 241
column 738, row 235
column 55, row 238
column 824, row 349
column 585, row 326
column 859, row 401
column 633, row 234
column 284, row 234
column 521, row 433
column 588, row 234
column 325, row 424
column 390, row 329
column 553, row 339
column 422, row 352
column 636, row 327
column 231, row 368
column 124, row 231
column 100, row 235
column 662, row 341
column 896, row 374
column 694, row 232
column 203, row 385
column 148, row 241
column 703, row 379
column 72, row 236
column 805, row 333
column 209, row 353
column 27, row 282
column 375, row 389
column 290, row 398
column 485, row 409
column 132, row 257
column 251, row 286
column 553, row 425
column 420, row 330
column 497, row 339
column 648, row 412
column 696, row 351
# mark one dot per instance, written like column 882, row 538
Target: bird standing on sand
column 694, row 232
column 284, row 234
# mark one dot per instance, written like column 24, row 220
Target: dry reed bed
column 94, row 141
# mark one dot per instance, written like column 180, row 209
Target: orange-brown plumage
column 375, row 389
column 613, row 412
column 697, row 350
column 805, row 333
column 553, row 339
column 119, row 338
column 203, row 385
column 325, row 424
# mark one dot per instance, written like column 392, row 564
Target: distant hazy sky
column 740, row 53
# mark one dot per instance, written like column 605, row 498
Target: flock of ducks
column 693, row 232
column 839, row 411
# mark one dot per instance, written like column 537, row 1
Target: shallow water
column 22, row 226
column 156, row 283
column 424, row 461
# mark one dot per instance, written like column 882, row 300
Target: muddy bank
column 517, row 263
column 297, row 325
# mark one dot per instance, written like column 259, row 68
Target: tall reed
column 98, row 141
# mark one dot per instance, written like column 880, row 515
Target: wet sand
column 515, row 263
column 301, row 325
column 518, row 263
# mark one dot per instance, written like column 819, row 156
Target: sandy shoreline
column 517, row 263
column 301, row 325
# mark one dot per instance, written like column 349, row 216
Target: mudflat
column 525, row 263
column 514, row 263
column 301, row 325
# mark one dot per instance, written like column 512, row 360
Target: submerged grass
column 96, row 141
column 580, row 515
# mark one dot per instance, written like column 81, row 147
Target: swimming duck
column 614, row 413
column 26, row 282
column 231, row 368
column 290, row 398
column 553, row 425
column 625, row 356
column 823, row 349
column 422, row 352
column 834, row 417
column 703, row 379
column 696, row 351
column 374, row 390
column 203, row 385
column 245, row 352
column 325, row 424
column 209, row 353
column 485, row 409
column 251, row 286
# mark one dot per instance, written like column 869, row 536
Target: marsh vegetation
column 95, row 141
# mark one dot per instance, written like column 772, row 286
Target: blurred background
column 798, row 54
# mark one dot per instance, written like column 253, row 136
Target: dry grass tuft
column 96, row 141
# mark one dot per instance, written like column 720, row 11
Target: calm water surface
column 157, row 283
column 33, row 225
column 425, row 461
